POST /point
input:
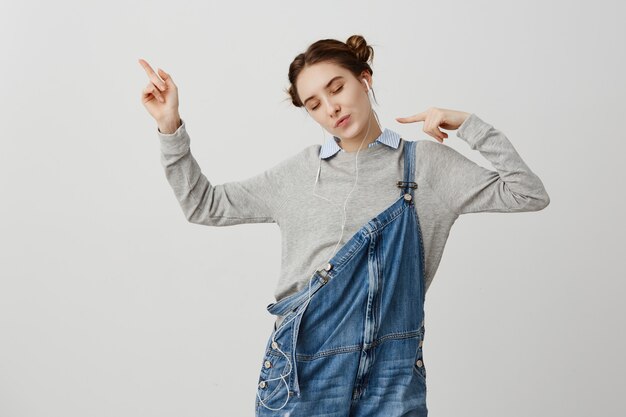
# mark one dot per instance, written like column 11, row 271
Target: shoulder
column 308, row 154
column 426, row 150
column 433, row 158
column 427, row 145
column 295, row 162
column 432, row 151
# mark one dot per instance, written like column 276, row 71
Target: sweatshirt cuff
column 174, row 143
column 472, row 130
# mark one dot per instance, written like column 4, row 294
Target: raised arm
column 466, row 187
column 253, row 200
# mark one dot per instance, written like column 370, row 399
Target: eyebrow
column 327, row 85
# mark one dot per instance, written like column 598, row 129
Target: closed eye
column 336, row 91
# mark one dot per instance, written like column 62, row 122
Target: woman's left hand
column 434, row 118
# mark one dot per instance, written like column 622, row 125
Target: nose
column 332, row 108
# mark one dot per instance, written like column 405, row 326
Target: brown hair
column 353, row 55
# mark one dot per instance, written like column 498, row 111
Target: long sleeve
column 466, row 187
column 253, row 200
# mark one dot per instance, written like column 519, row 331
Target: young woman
column 364, row 219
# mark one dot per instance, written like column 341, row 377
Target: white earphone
column 343, row 223
column 282, row 376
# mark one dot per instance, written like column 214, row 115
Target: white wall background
column 111, row 304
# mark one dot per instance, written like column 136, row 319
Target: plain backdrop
column 112, row 304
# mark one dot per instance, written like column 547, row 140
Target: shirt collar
column 387, row 137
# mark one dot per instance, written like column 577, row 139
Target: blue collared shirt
column 387, row 137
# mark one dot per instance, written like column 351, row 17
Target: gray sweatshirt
column 449, row 184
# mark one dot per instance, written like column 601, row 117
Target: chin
column 355, row 130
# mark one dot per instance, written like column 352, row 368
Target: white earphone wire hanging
column 356, row 176
column 306, row 303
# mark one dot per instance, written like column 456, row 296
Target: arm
column 466, row 187
column 252, row 200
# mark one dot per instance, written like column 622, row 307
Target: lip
column 341, row 120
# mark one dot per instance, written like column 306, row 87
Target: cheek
column 320, row 120
column 358, row 100
column 365, row 102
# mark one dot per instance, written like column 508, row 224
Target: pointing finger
column 419, row 117
column 152, row 75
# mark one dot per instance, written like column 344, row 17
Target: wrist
column 169, row 125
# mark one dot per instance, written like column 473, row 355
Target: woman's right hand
column 160, row 98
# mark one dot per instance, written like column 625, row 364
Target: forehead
column 314, row 78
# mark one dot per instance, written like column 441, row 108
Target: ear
column 368, row 77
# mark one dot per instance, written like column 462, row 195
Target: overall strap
column 407, row 185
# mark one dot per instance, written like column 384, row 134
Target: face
column 330, row 92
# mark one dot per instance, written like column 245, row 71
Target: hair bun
column 353, row 55
column 361, row 49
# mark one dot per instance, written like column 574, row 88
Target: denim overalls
column 350, row 343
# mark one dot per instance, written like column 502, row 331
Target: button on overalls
column 350, row 343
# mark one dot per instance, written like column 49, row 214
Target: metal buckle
column 323, row 272
column 402, row 184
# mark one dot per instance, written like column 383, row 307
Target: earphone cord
column 356, row 167
column 306, row 303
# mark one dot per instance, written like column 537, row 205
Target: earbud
column 367, row 84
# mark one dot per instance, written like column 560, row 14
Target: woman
column 349, row 326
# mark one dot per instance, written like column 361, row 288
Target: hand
column 434, row 118
column 160, row 97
